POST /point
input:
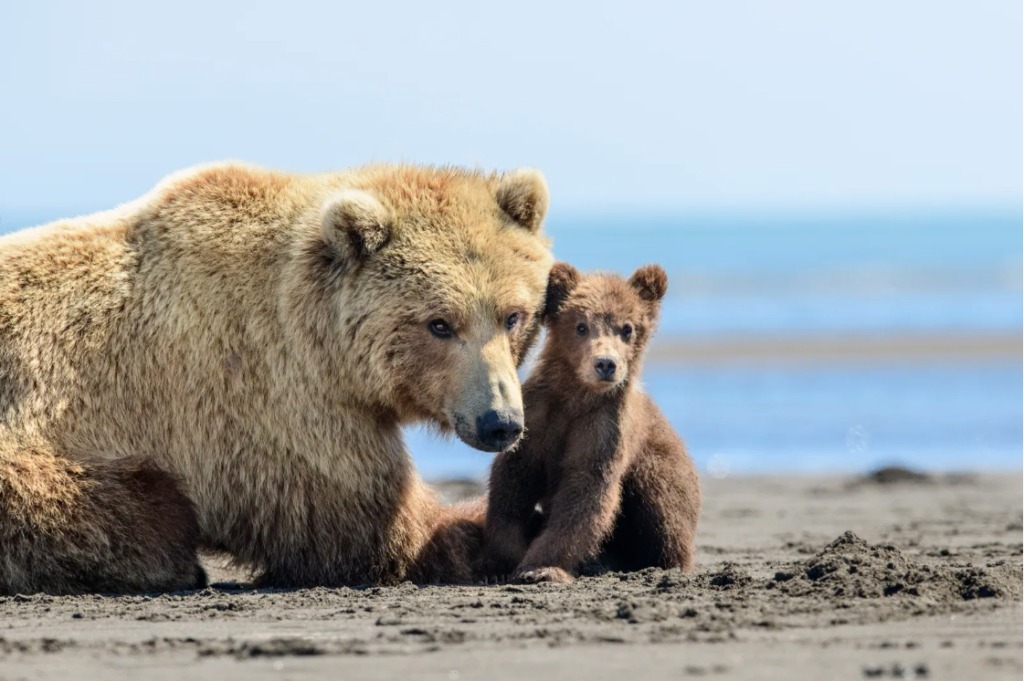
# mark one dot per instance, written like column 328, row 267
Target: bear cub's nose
column 605, row 367
column 499, row 429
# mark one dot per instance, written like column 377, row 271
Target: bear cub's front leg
column 512, row 519
column 582, row 511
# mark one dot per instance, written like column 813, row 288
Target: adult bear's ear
column 650, row 282
column 523, row 195
column 562, row 281
column 355, row 222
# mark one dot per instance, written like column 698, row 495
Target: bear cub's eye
column 512, row 320
column 627, row 331
column 440, row 328
column 581, row 329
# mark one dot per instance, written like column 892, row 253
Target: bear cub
column 612, row 480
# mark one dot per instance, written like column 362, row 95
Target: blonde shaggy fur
column 250, row 343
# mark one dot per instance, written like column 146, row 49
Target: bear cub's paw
column 544, row 575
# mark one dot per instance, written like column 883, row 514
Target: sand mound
column 851, row 567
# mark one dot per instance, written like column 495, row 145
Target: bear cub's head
column 598, row 325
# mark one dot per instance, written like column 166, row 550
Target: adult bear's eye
column 581, row 329
column 440, row 328
column 627, row 331
column 512, row 320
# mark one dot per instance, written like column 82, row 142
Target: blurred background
column 834, row 188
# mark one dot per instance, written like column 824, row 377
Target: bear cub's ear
column 523, row 195
column 562, row 281
column 355, row 222
column 650, row 282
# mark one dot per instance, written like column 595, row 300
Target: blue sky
column 671, row 106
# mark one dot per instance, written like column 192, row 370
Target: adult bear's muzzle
column 498, row 430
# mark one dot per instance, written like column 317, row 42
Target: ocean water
column 929, row 273
column 892, row 275
column 830, row 276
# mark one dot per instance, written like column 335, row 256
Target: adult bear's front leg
column 454, row 544
column 317, row 535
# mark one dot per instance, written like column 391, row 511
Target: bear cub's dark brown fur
column 611, row 477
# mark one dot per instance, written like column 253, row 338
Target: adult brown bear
column 229, row 359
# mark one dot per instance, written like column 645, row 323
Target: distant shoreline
column 833, row 348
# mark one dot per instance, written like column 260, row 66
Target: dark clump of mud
column 729, row 577
column 42, row 645
column 889, row 475
column 275, row 647
column 853, row 568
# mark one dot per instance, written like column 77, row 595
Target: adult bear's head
column 434, row 281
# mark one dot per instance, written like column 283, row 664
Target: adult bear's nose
column 497, row 430
column 605, row 368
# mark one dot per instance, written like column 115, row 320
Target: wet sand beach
column 894, row 575
column 840, row 349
